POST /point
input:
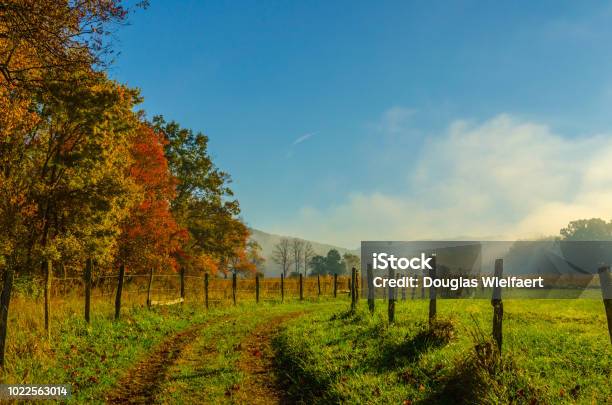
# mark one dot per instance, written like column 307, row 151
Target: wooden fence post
column 319, row 284
column 432, row 293
column 182, row 274
column 391, row 309
column 88, row 269
column 370, row 277
column 335, row 284
column 423, row 285
column 605, row 281
column 119, row 291
column 257, row 288
column 498, row 306
column 234, row 286
column 206, row 290
column 356, row 286
column 149, row 286
column 48, row 275
column 301, row 288
column 352, row 289
column 282, row 288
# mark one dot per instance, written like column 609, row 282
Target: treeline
column 84, row 174
column 296, row 256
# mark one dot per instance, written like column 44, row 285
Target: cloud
column 501, row 178
column 303, row 138
column 298, row 141
column 395, row 120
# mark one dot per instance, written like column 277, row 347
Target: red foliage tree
column 151, row 237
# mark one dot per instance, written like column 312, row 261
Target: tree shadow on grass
column 392, row 355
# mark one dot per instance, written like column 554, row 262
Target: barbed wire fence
column 100, row 294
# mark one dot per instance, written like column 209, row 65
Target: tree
column 43, row 39
column 330, row 264
column 233, row 239
column 67, row 188
column 282, row 255
column 351, row 260
column 335, row 265
column 297, row 251
column 81, row 187
column 587, row 229
column 150, row 236
column 318, row 264
column 307, row 255
column 204, row 203
column 254, row 255
column 52, row 102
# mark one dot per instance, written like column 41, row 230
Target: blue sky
column 335, row 118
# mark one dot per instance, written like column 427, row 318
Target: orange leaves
column 151, row 236
column 206, row 263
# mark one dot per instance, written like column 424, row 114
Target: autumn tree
column 255, row 256
column 63, row 128
column 204, row 204
column 150, row 236
column 42, row 40
column 68, row 171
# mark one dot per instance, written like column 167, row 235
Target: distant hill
column 267, row 241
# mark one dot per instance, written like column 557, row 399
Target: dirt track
column 261, row 384
column 141, row 383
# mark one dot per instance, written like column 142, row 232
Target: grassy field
column 555, row 351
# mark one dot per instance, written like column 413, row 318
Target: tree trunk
column 88, row 269
column 234, row 286
column 149, row 285
column 48, row 275
column 119, row 291
column 5, row 299
column 206, row 290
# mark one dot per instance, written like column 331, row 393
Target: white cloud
column 502, row 178
column 303, row 138
column 298, row 141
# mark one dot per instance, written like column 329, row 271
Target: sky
column 356, row 120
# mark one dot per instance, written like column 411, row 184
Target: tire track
column 142, row 382
column 261, row 384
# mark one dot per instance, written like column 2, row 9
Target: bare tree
column 307, row 255
column 282, row 255
column 297, row 250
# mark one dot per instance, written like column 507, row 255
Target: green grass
column 207, row 370
column 88, row 357
column 553, row 352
